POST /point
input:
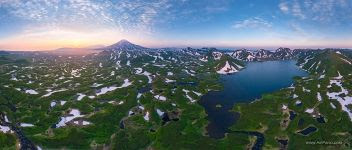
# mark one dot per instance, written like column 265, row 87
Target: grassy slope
column 187, row 133
column 105, row 131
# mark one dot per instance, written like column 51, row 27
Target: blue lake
column 245, row 86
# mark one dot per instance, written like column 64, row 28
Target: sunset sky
column 51, row 24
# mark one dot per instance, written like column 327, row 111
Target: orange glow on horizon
column 54, row 39
column 50, row 39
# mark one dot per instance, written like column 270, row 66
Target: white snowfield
column 14, row 78
column 217, row 55
column 75, row 72
column 309, row 110
column 250, row 58
column 188, row 97
column 344, row 101
column 26, row 125
column 204, row 59
column 346, row 61
column 284, row 107
column 298, row 102
column 52, row 104
column 139, row 71
column 130, row 113
column 306, row 60
column 30, row 91
column 139, row 95
column 141, row 107
column 332, row 105
column 306, row 90
column 169, row 81
column 227, row 69
column 80, row 96
column 170, row 73
column 197, row 93
column 5, row 129
column 104, row 90
column 74, row 113
column 188, row 72
column 295, row 96
column 159, row 112
column 319, row 97
column 96, row 85
column 146, row 116
column 62, row 103
column 52, row 92
column 160, row 97
column 84, row 123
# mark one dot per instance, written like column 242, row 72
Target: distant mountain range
column 231, row 61
column 240, row 54
column 263, row 55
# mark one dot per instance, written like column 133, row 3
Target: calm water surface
column 245, row 86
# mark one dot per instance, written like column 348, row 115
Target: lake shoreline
column 240, row 88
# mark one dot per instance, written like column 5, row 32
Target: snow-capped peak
column 124, row 45
column 228, row 69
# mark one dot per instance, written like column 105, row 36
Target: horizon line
column 195, row 47
column 91, row 47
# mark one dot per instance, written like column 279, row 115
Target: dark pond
column 187, row 83
column 300, row 122
column 145, row 89
column 292, row 115
column 260, row 138
column 165, row 118
column 321, row 119
column 283, row 143
column 122, row 125
column 245, row 86
column 308, row 130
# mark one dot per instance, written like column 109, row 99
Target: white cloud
column 283, row 7
column 294, row 10
column 324, row 11
column 254, row 22
column 297, row 11
column 125, row 15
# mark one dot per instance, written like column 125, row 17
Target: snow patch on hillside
column 33, row 92
column 227, row 69
column 74, row 113
column 104, row 90
column 344, row 101
column 160, row 97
